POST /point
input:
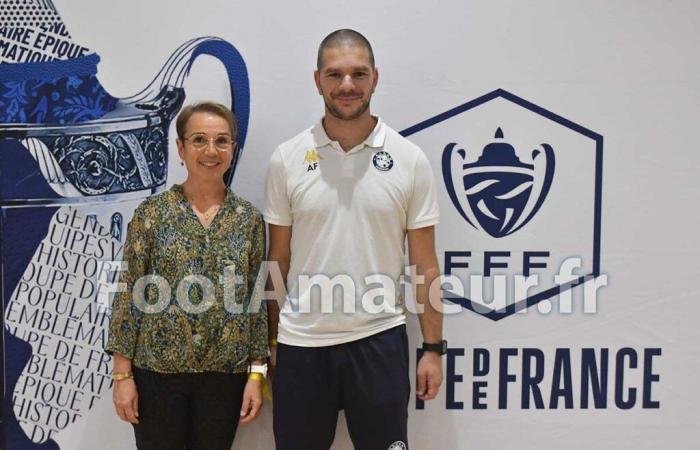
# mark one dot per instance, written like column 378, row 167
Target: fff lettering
column 527, row 262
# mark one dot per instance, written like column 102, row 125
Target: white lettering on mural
column 54, row 309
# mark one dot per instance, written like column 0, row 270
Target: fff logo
column 502, row 192
column 520, row 198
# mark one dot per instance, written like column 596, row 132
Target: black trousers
column 192, row 411
column 368, row 378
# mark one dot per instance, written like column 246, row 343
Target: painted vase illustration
column 86, row 143
column 74, row 163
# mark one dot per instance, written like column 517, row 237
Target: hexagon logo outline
column 530, row 300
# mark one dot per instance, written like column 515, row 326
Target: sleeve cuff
column 111, row 349
column 424, row 222
column 258, row 355
column 273, row 220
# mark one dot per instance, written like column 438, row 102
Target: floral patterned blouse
column 202, row 325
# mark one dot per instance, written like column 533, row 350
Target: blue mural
column 74, row 161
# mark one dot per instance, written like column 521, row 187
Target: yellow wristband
column 256, row 376
column 273, row 342
column 264, row 387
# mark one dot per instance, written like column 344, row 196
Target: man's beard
column 335, row 112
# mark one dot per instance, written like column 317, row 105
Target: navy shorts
column 368, row 378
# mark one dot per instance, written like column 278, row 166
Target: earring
column 182, row 163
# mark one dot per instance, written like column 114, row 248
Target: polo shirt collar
column 375, row 139
column 377, row 136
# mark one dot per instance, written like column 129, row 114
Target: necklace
column 205, row 216
column 210, row 213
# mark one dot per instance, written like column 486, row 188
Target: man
column 341, row 197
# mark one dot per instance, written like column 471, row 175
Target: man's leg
column 216, row 409
column 163, row 411
column 377, row 390
column 306, row 398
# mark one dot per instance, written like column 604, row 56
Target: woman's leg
column 215, row 410
column 163, row 411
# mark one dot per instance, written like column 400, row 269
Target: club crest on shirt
column 382, row 161
column 311, row 160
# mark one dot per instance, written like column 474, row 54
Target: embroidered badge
column 382, row 161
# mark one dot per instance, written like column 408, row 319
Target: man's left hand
column 429, row 376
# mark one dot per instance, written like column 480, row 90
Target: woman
column 188, row 350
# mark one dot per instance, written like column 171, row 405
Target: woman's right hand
column 126, row 400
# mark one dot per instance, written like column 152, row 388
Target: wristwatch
column 120, row 376
column 440, row 348
column 259, row 368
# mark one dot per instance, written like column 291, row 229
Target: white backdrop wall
column 626, row 70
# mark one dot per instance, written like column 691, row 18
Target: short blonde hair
column 205, row 107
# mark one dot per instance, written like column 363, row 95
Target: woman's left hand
column 252, row 400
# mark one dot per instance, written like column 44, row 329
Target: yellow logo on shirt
column 311, row 160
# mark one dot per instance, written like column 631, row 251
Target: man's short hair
column 206, row 107
column 344, row 38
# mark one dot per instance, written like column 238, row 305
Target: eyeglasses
column 222, row 142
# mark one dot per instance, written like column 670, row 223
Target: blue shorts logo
column 502, row 192
column 382, row 161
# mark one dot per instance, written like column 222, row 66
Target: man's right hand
column 126, row 400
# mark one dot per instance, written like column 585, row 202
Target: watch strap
column 440, row 347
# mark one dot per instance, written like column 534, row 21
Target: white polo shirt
column 349, row 212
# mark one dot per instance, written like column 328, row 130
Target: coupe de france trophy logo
column 497, row 193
